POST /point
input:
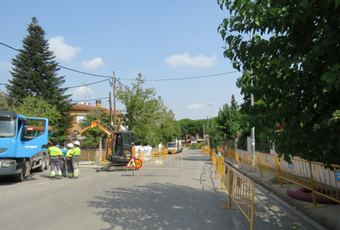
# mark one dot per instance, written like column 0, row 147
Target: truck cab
column 172, row 147
column 23, row 144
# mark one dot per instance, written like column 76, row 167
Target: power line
column 127, row 79
column 87, row 84
column 76, row 85
column 186, row 78
column 121, row 84
column 19, row 99
column 90, row 74
column 9, row 47
column 77, row 71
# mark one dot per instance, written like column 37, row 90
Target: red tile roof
column 92, row 107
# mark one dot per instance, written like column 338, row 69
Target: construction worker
column 68, row 160
column 75, row 159
column 63, row 165
column 55, row 159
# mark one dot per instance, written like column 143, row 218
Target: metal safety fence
column 148, row 155
column 241, row 190
column 167, row 162
column 314, row 176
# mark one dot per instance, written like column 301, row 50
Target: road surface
column 155, row 200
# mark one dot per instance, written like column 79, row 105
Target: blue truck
column 23, row 145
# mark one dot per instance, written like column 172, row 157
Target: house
column 80, row 110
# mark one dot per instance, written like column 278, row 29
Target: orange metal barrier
column 168, row 162
column 241, row 190
column 220, row 169
column 311, row 175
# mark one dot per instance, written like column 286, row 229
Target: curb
column 319, row 217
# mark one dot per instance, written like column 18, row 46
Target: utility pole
column 203, row 133
column 114, row 97
column 252, row 105
column 110, row 108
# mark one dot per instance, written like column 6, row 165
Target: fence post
column 315, row 205
column 230, row 191
column 260, row 167
column 279, row 170
column 100, row 152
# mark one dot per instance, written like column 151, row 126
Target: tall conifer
column 34, row 73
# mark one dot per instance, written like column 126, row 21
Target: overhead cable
column 77, row 71
column 86, row 84
column 186, row 78
column 127, row 79
column 19, row 99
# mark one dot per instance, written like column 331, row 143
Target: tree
column 36, row 107
column 233, row 103
column 294, row 59
column 214, row 137
column 192, row 127
column 146, row 114
column 93, row 135
column 228, row 121
column 35, row 74
column 5, row 104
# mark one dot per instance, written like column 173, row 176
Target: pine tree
column 233, row 103
column 35, row 74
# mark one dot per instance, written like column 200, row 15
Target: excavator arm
column 100, row 125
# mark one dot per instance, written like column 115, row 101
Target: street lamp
column 212, row 124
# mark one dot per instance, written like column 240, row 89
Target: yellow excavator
column 120, row 145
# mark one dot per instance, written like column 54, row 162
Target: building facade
column 79, row 111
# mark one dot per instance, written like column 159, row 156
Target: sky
column 159, row 39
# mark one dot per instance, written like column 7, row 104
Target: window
column 80, row 118
column 35, row 128
column 171, row 144
column 7, row 127
column 126, row 139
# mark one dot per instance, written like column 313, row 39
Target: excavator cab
column 123, row 149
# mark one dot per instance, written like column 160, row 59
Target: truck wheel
column 19, row 178
column 42, row 166
column 47, row 163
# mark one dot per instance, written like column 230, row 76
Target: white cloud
column 186, row 59
column 5, row 65
column 61, row 50
column 196, row 107
column 82, row 90
column 92, row 64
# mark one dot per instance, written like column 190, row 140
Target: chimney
column 98, row 103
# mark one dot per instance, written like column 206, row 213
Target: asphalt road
column 157, row 199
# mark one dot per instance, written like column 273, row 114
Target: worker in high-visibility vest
column 68, row 160
column 75, row 159
column 56, row 157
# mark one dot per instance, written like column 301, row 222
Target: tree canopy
column 228, row 121
column 34, row 74
column 294, row 62
column 146, row 114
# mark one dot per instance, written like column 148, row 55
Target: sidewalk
column 326, row 216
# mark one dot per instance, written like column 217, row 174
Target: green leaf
column 304, row 3
column 337, row 2
column 327, row 77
